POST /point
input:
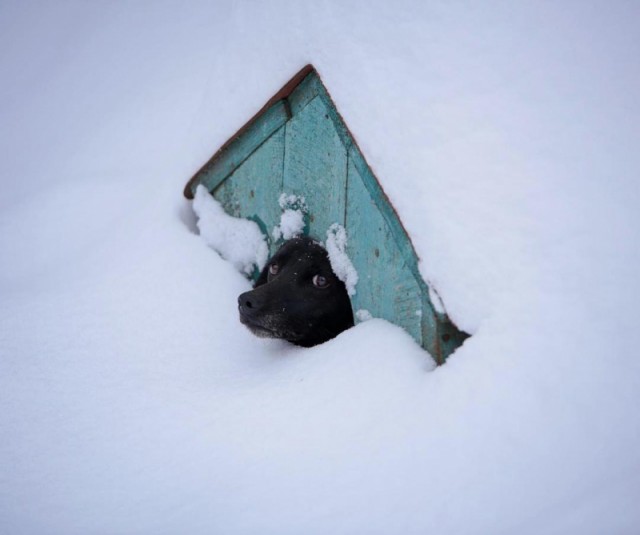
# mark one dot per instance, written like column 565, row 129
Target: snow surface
column 133, row 401
column 237, row 240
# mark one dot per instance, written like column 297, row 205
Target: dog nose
column 246, row 302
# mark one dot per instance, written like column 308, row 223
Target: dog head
column 297, row 297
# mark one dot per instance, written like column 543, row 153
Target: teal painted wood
column 300, row 145
column 235, row 152
column 315, row 166
column 310, row 88
column 392, row 294
column 252, row 190
column 388, row 213
column 304, row 93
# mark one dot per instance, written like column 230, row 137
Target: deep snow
column 133, row 401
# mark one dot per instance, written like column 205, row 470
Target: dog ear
column 263, row 277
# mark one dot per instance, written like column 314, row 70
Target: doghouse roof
column 216, row 164
column 299, row 144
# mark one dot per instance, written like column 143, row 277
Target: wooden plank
column 386, row 287
column 336, row 118
column 387, row 211
column 306, row 91
column 315, row 166
column 310, row 88
column 439, row 336
column 237, row 150
column 253, row 189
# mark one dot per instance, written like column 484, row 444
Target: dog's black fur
column 297, row 297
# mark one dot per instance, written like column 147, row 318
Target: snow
column 363, row 315
column 131, row 398
column 237, row 240
column 291, row 225
column 292, row 219
column 340, row 263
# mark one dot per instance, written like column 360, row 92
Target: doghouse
column 298, row 144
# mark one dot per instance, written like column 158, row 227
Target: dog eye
column 273, row 269
column 319, row 281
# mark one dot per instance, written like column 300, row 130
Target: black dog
column 297, row 297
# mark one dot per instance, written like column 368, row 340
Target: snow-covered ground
column 131, row 398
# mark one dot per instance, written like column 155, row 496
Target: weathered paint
column 315, row 165
column 387, row 288
column 299, row 144
column 244, row 145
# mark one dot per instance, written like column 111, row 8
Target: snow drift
column 133, row 401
